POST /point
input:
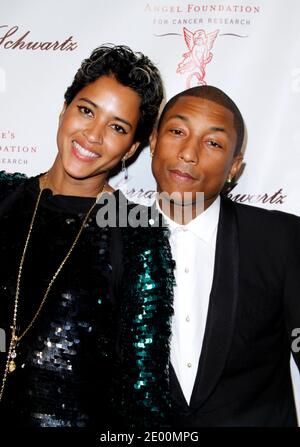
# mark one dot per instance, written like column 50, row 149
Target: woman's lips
column 82, row 153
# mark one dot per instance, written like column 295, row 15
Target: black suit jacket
column 243, row 377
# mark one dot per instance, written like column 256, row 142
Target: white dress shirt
column 193, row 249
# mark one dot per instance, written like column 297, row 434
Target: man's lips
column 181, row 175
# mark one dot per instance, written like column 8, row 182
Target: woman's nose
column 94, row 132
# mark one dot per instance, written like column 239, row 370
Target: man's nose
column 190, row 151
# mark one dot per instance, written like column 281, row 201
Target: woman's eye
column 85, row 110
column 119, row 128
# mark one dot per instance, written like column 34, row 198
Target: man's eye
column 176, row 131
column 213, row 143
column 85, row 110
column 119, row 128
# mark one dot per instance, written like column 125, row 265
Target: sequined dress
column 64, row 361
column 88, row 358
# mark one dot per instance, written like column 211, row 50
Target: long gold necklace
column 10, row 365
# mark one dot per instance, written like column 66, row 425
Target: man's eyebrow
column 218, row 129
column 118, row 118
column 179, row 116
column 186, row 119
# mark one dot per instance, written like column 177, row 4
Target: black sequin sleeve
column 9, row 183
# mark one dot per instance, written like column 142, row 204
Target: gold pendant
column 12, row 364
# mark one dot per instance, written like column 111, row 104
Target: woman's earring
column 124, row 169
column 229, row 180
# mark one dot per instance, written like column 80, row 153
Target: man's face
column 194, row 148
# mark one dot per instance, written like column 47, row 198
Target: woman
column 62, row 273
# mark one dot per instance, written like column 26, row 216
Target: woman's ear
column 132, row 150
column 62, row 112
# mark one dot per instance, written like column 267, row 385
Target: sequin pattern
column 64, row 362
column 66, row 371
column 147, row 302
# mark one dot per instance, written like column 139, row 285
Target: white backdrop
column 255, row 58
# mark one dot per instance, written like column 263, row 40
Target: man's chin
column 182, row 198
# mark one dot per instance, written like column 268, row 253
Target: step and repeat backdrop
column 250, row 49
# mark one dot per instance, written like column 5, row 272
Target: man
column 236, row 303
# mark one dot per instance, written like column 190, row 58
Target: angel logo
column 199, row 55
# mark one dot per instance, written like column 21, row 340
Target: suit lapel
column 222, row 306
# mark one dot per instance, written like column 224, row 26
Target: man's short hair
column 216, row 95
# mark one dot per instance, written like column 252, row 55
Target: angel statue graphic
column 199, row 55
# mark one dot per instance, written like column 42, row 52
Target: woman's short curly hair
column 131, row 69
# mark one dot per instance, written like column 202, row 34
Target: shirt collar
column 203, row 226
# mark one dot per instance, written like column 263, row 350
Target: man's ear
column 236, row 165
column 132, row 150
column 153, row 141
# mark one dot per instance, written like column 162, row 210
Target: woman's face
column 97, row 128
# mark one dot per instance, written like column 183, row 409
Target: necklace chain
column 10, row 365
